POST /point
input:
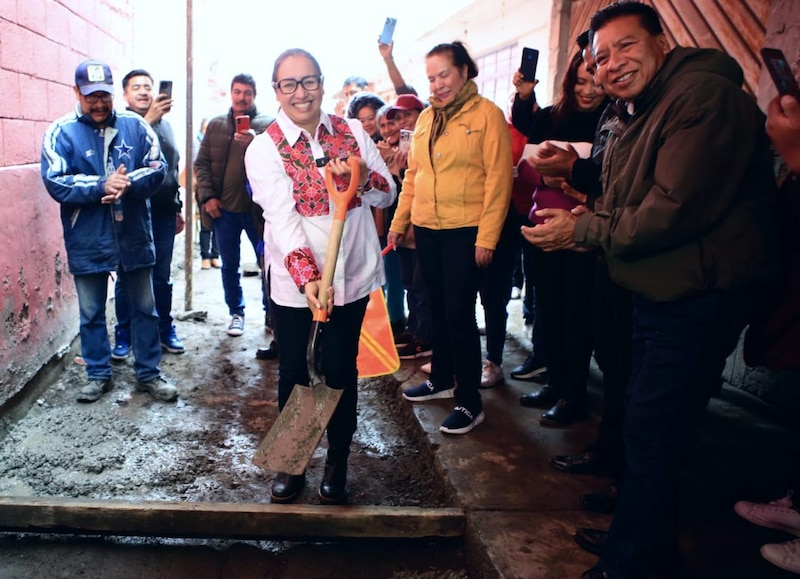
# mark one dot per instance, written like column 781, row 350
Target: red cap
column 405, row 102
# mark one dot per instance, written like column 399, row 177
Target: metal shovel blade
column 290, row 443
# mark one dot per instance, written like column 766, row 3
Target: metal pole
column 188, row 204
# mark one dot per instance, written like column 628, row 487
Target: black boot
column 286, row 487
column 544, row 398
column 332, row 490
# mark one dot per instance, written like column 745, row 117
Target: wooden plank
column 226, row 520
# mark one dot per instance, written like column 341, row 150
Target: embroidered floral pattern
column 302, row 267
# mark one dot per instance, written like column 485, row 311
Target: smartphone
column 781, row 73
column 165, row 87
column 388, row 30
column 242, row 124
column 530, row 58
column 405, row 140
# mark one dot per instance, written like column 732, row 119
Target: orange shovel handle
column 342, row 200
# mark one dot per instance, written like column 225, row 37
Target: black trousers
column 339, row 353
column 447, row 259
column 563, row 281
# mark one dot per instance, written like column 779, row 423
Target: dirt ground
column 129, row 446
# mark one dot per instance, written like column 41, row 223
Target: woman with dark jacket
column 563, row 279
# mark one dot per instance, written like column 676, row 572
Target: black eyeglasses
column 289, row 85
column 98, row 96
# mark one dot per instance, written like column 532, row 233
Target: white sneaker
column 426, row 367
column 778, row 514
column 491, row 375
column 516, row 293
column 783, row 555
column 237, row 325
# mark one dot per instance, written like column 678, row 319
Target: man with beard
column 102, row 166
column 222, row 189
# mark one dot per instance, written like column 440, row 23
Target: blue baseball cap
column 93, row 76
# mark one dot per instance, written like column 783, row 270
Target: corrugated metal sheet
column 733, row 26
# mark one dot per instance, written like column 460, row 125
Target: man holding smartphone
column 223, row 194
column 165, row 206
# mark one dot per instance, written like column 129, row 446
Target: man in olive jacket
column 222, row 189
column 685, row 221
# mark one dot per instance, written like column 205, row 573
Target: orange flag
column 377, row 354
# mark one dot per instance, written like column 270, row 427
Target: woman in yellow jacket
column 456, row 193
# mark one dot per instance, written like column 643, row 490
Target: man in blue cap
column 102, row 166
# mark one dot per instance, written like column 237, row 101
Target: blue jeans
column 95, row 349
column 394, row 287
column 228, row 231
column 419, row 309
column 164, row 227
column 208, row 244
column 679, row 352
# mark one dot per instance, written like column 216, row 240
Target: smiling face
column 407, row 119
column 366, row 115
column 446, row 80
column 303, row 106
column 139, row 93
column 588, row 95
column 628, row 57
column 97, row 105
column 390, row 132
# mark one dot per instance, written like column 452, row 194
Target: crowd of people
column 642, row 206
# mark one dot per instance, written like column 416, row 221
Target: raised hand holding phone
column 781, row 72
column 388, row 30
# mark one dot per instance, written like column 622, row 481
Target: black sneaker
column 94, row 389
column 414, row 349
column 529, row 369
column 461, row 421
column 427, row 391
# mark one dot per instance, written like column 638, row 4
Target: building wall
column 41, row 42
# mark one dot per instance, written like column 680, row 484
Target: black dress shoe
column 563, row 414
column 270, row 353
column 541, row 399
column 592, row 540
column 602, row 502
column 587, row 462
column 332, row 490
column 286, row 487
column 531, row 370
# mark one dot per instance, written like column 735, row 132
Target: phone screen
column 530, row 58
column 388, row 30
column 165, row 87
column 781, row 72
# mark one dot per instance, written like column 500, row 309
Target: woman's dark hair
column 648, row 17
column 458, row 55
column 293, row 52
column 364, row 99
column 567, row 103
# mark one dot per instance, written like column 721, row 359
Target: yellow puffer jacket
column 466, row 181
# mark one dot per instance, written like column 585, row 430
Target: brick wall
column 41, row 43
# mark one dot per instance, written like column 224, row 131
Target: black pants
column 340, row 351
column 447, row 259
column 563, row 281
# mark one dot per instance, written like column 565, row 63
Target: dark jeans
column 530, row 305
column 495, row 288
column 612, row 312
column 563, row 281
column 394, row 288
column 679, row 352
column 340, row 350
column 164, row 227
column 208, row 244
column 447, row 259
column 419, row 310
column 228, row 232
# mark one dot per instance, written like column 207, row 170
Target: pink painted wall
column 41, row 43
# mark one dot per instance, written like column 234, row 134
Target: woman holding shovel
column 287, row 168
